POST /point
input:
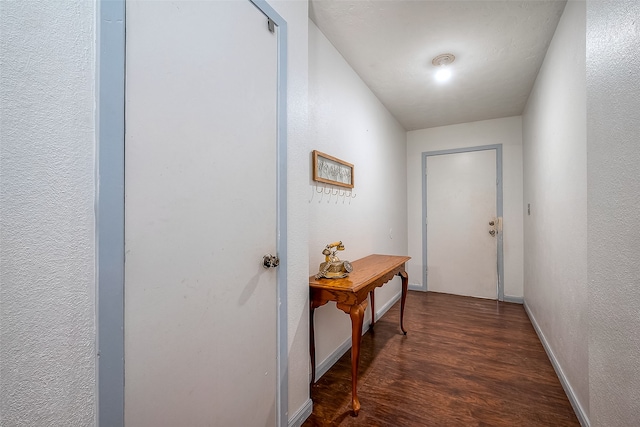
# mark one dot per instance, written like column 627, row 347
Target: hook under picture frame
column 331, row 170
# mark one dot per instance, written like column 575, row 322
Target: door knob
column 492, row 223
column 270, row 261
column 492, row 232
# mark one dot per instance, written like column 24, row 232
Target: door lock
column 270, row 261
column 495, row 225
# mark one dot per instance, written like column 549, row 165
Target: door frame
column 500, row 254
column 110, row 209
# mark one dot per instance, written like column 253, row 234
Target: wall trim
column 417, row 287
column 282, row 349
column 516, row 300
column 327, row 363
column 109, row 212
column 382, row 310
column 330, row 360
column 301, row 414
column 577, row 408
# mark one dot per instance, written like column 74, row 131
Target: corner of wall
column 347, row 121
column 295, row 13
column 555, row 188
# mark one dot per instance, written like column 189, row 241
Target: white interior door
column 461, row 201
column 200, row 309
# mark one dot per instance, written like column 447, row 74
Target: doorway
column 462, row 227
column 171, row 208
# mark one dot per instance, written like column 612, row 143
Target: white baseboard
column 517, row 300
column 301, row 414
column 327, row 363
column 382, row 310
column 416, row 287
column 577, row 408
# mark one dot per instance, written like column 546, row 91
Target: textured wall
column 555, row 184
column 347, row 121
column 46, row 214
column 613, row 156
column 506, row 131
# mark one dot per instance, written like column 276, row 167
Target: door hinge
column 271, row 25
column 426, row 221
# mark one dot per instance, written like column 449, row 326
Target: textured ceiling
column 499, row 47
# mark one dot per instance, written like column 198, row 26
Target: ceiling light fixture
column 442, row 61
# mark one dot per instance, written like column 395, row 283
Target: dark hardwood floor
column 464, row 362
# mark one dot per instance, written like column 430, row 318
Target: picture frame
column 331, row 170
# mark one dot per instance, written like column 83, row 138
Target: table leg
column 356, row 312
column 405, row 286
column 312, row 343
column 373, row 308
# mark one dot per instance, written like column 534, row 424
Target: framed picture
column 331, row 170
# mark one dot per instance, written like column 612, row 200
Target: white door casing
column 462, row 195
column 200, row 309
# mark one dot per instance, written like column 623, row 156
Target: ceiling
column 499, row 47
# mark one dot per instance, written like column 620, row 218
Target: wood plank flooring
column 464, row 362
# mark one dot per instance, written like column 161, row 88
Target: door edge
column 282, row 348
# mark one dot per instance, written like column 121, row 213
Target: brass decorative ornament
column 332, row 267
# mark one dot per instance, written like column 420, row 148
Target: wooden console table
column 350, row 295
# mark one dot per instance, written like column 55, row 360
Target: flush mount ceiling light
column 442, row 61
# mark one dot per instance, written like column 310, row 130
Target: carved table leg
column 312, row 343
column 373, row 308
column 356, row 312
column 405, row 286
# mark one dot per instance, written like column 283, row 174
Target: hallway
column 464, row 362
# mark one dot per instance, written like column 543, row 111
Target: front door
column 200, row 185
column 461, row 238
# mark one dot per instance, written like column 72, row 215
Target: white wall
column 347, row 121
column 47, row 245
column 555, row 184
column 506, row 131
column 613, row 211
